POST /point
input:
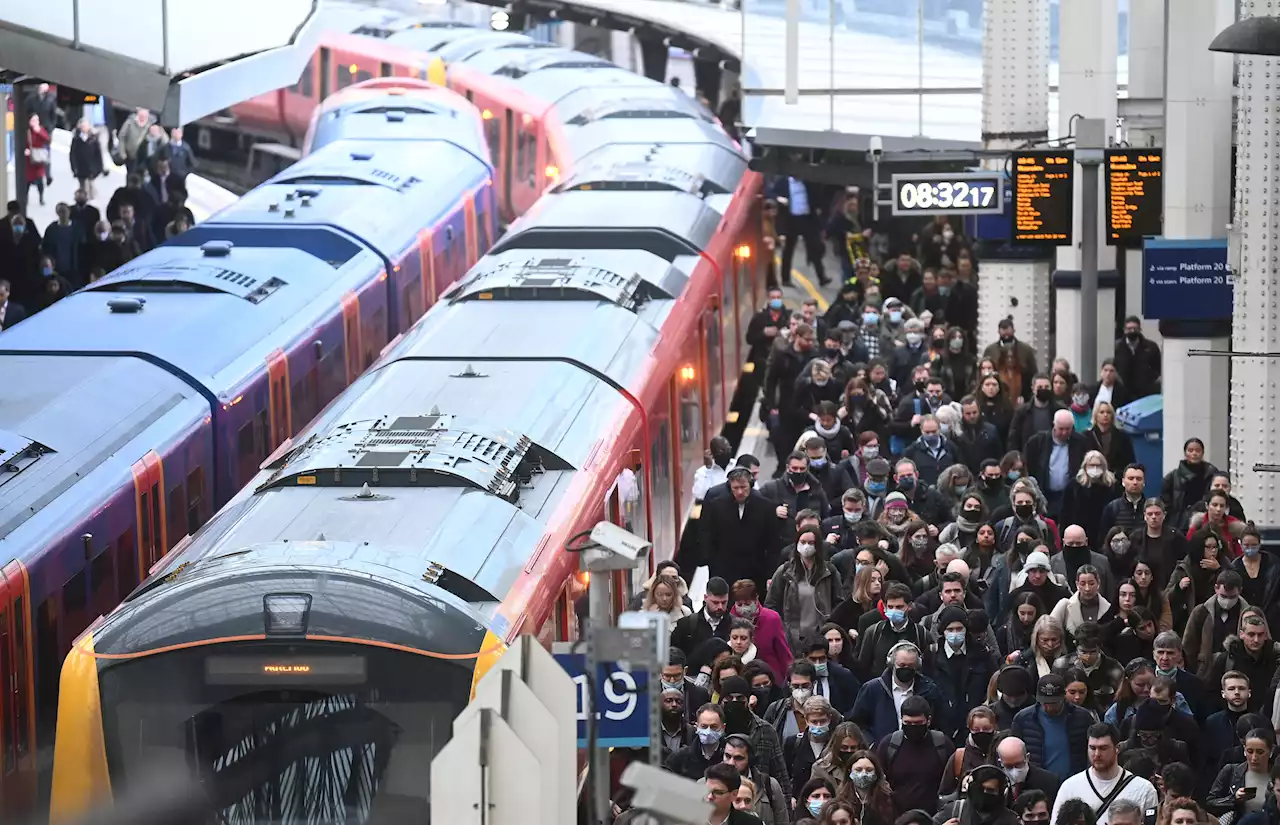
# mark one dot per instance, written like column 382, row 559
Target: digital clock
column 967, row 193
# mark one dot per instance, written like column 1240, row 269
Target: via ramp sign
column 1186, row 280
column 622, row 707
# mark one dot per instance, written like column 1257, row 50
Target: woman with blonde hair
column 868, row 587
column 1088, row 494
column 1109, row 439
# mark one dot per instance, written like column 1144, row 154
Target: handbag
column 40, row 156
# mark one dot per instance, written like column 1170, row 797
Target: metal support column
column 1090, row 142
column 598, row 764
column 4, row 142
column 20, row 117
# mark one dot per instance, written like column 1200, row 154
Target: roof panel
column 587, row 139
column 651, row 277
column 701, row 169
column 465, row 47
column 668, row 224
column 628, row 96
column 412, row 114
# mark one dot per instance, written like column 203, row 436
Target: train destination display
column 1135, row 195
column 1043, row 196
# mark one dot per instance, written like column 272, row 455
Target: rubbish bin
column 1143, row 420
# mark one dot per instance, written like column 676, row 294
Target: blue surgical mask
column 815, row 806
column 1252, row 551
column 932, row 440
column 18, row 229
column 944, row 290
column 775, row 303
column 820, row 668
column 896, row 616
column 870, row 318
column 853, row 517
column 46, row 271
column 708, row 736
column 895, row 317
column 1013, row 475
column 955, row 639
column 819, row 731
column 678, row 684
column 817, row 462
column 876, row 488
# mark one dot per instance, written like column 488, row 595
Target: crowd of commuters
column 955, row 601
column 40, row 266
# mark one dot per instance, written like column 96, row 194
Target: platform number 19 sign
column 622, row 707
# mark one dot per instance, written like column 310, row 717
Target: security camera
column 665, row 794
column 876, row 145
column 619, row 542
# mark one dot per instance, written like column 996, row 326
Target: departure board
column 1043, row 196
column 1135, row 195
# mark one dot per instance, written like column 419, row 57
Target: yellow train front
column 288, row 678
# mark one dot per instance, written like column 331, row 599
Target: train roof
column 411, row 115
column 668, row 224
column 62, row 416
column 383, row 199
column 697, row 168
column 253, row 301
column 620, row 96
column 521, row 63
column 620, row 131
column 430, row 38
column 470, row 45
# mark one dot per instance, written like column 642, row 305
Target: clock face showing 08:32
column 969, row 193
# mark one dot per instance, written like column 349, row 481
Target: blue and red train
column 135, row 408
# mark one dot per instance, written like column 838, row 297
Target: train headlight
column 500, row 21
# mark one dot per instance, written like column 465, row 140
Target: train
column 138, row 406
column 306, row 650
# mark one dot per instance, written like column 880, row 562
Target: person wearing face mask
column 877, row 486
column 1036, row 416
column 841, row 526
column 868, row 791
column 915, row 756
column 962, row 670
column 770, row 635
column 706, row 748
column 982, row 803
column 1102, row 673
column 1055, row 731
column 764, row 327
column 927, row 398
column 1149, row 747
column 977, row 747
column 1137, row 360
column 834, row 759
column 1253, row 652
column 1259, row 572
column 11, row 312
column 1022, row 776
column 814, row 386
column 932, row 452
column 880, row 707
column 911, row 349
column 956, row 365
column 1212, row 622
column 805, row 589
column 766, row 749
column 784, row 372
column 832, row 477
column 923, row 500
column 1023, row 355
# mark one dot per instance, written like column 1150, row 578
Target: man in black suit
column 1011, row 755
column 1054, row 458
column 10, row 312
column 712, row 620
column 801, row 217
column 739, row 533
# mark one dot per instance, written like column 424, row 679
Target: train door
column 426, row 252
column 148, row 486
column 615, row 511
column 351, row 335
column 326, row 73
column 713, row 361
column 281, row 414
column 17, row 694
column 473, row 240
column 508, row 161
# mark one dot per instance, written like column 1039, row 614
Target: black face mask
column 763, row 696
column 916, row 732
column 904, row 675
column 1132, row 337
column 737, row 715
column 832, row 353
column 796, row 479
column 985, row 802
column 1024, row 511
column 982, row 740
column 921, row 384
column 992, row 483
column 1044, row 394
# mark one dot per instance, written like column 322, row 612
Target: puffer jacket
column 1028, row 728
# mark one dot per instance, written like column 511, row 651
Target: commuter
column 1137, row 360
column 150, row 149
column 39, row 159
column 722, row 783
column 84, row 214
column 129, row 139
column 802, row 220
column 86, row 157
column 1015, row 360
column 11, row 312
column 43, row 104
column 182, row 160
column 63, row 242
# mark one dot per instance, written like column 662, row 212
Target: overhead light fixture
column 1251, row 36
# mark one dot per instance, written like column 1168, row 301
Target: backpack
column 898, row 443
column 946, row 751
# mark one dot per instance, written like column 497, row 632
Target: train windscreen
column 306, row 734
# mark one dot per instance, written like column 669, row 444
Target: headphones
column 903, row 645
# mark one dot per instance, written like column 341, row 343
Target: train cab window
column 362, row 76
column 306, row 83
column 346, row 76
column 103, row 582
column 126, row 563
column 195, row 498
column 385, row 70
column 531, row 152
column 326, row 73
column 493, row 136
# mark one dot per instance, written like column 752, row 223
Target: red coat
column 37, row 138
column 771, row 642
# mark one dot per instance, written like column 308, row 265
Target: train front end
column 295, row 682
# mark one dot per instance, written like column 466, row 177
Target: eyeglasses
column 1044, row 817
column 719, row 792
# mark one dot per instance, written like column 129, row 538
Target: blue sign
column 1186, row 280
column 622, row 705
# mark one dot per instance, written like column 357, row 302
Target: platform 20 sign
column 622, row 703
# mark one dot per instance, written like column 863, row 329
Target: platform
column 203, row 198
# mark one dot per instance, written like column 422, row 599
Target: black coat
column 13, row 313
column 1040, row 448
column 739, row 547
column 693, row 630
column 1121, row 453
column 1139, row 368
column 86, row 156
column 1085, row 506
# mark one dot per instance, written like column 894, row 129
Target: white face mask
column 806, row 550
column 1094, row 472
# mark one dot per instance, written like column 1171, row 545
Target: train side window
column 520, row 157
column 146, row 524
column 126, row 566
column 104, row 582
column 245, row 451
column 176, row 512
column 326, row 73
column 345, row 76
column 379, row 325
column 362, row 76
column 195, row 497
column 531, row 154
column 306, row 83
column 385, row 70
column 7, row 726
column 20, row 668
